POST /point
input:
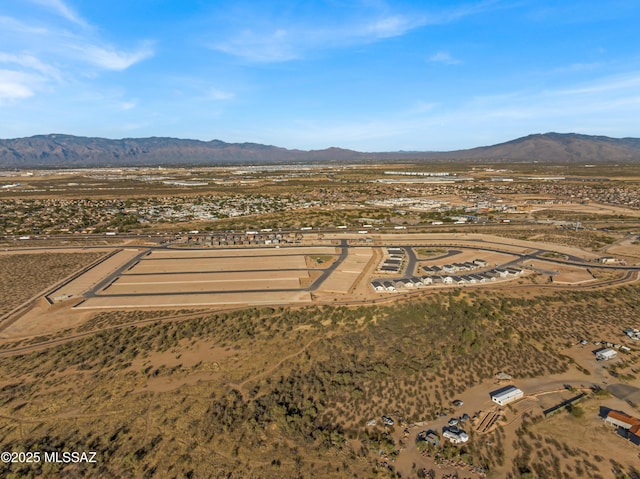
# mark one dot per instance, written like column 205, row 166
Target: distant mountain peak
column 57, row 150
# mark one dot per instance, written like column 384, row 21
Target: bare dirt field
column 45, row 319
column 84, row 282
column 221, row 277
column 179, row 286
column 630, row 251
column 564, row 274
column 342, row 280
column 194, row 265
column 469, row 255
column 470, row 240
column 595, row 208
column 188, row 300
column 238, row 252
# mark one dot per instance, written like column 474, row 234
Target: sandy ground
column 232, row 276
column 217, row 253
column 341, row 280
column 468, row 255
column 218, row 264
column 84, row 282
column 199, row 286
column 630, row 252
column 202, row 353
column 106, row 249
column 594, row 208
column 454, row 241
column 563, row 274
column 187, row 300
column 45, row 319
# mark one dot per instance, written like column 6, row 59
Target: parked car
column 387, row 421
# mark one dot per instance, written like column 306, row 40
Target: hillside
column 56, row 151
column 559, row 147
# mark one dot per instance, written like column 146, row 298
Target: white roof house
column 456, row 437
column 606, row 354
column 506, row 395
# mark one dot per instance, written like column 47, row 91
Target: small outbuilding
column 627, row 426
column 506, row 395
column 606, row 354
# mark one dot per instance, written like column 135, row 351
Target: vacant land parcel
column 197, row 277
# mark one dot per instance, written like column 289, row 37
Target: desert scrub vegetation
column 25, row 275
column 107, row 319
column 297, row 385
column 585, row 239
column 541, row 454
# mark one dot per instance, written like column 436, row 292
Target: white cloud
column 10, row 24
column 63, row 10
column 109, row 58
column 391, row 26
column 278, row 40
column 218, row 95
column 443, row 57
column 71, row 52
column 275, row 46
column 291, row 43
column 30, row 62
column 15, row 85
column 128, row 105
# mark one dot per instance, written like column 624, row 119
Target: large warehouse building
column 506, row 395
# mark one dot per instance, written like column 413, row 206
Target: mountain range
column 67, row 151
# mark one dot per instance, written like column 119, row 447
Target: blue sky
column 371, row 75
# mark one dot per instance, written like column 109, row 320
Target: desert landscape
column 369, row 347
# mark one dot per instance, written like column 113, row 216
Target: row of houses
column 483, row 277
column 393, row 261
column 381, row 285
column 456, row 267
column 243, row 239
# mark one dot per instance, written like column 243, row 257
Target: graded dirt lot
column 343, row 279
column 237, row 252
column 84, row 282
column 194, row 265
column 595, row 208
column 469, row 255
column 564, row 274
column 627, row 249
column 173, row 284
column 188, row 300
column 470, row 240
